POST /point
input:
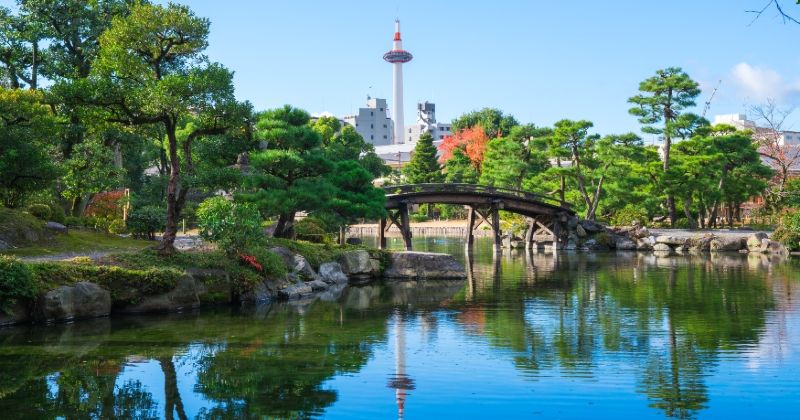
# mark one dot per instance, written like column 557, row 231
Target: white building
column 740, row 121
column 426, row 122
column 373, row 122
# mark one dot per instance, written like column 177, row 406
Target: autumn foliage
column 472, row 141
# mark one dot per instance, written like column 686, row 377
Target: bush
column 629, row 215
column 232, row 226
column 116, row 226
column 16, row 282
column 144, row 222
column 788, row 230
column 310, row 229
column 40, row 211
column 416, row 217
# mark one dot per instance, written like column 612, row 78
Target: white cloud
column 757, row 83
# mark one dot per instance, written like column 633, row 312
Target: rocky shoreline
column 202, row 287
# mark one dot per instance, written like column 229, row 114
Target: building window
column 409, row 130
column 384, row 126
column 371, row 113
column 384, row 136
column 441, row 137
column 372, row 126
column 371, row 137
column 381, row 109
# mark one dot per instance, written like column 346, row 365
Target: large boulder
column 318, row 285
column 773, row 247
column 701, row 243
column 423, row 265
column 594, row 245
column 662, row 247
column 357, row 263
column 671, row 240
column 81, row 300
column 298, row 266
column 591, row 226
column 183, row 296
column 213, row 285
column 331, row 273
column 56, row 228
column 4, row 245
column 580, row 231
column 622, row 243
column 727, row 244
column 17, row 314
column 755, row 240
column 295, row 291
column 353, row 241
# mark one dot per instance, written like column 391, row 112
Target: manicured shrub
column 788, row 230
column 116, row 226
column 310, row 229
column 16, row 282
column 630, row 215
column 144, row 222
column 232, row 226
column 40, row 211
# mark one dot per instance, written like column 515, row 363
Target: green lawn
column 80, row 241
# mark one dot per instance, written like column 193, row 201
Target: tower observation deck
column 397, row 56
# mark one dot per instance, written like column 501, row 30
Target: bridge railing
column 475, row 189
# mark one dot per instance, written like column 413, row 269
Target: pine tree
column 423, row 167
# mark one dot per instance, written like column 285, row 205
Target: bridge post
column 556, row 234
column 529, row 233
column 470, row 227
column 498, row 244
column 382, row 234
column 405, row 229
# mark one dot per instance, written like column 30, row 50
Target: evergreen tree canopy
column 424, row 166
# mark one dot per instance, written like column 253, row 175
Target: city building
column 426, row 122
column 740, row 121
column 373, row 122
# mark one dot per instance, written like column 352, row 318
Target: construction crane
column 710, row 98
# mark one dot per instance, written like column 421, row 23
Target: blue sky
column 538, row 60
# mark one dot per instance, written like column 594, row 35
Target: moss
column 19, row 228
column 79, row 241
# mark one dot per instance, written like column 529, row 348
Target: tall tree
column 493, row 122
column 151, row 70
column 512, row 159
column 471, row 141
column 658, row 107
column 459, row 169
column 289, row 175
column 423, row 167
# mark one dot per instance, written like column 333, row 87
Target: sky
column 540, row 61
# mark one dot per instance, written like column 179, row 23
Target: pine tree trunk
column 285, row 226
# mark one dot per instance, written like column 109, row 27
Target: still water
column 580, row 335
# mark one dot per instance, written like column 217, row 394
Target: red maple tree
column 472, row 141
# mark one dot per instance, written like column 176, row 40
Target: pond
column 527, row 335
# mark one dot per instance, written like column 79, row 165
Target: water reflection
column 573, row 336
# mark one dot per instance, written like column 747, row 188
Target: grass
column 79, row 241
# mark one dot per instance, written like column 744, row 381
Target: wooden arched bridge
column 545, row 213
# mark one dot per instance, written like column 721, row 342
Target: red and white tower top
column 397, row 56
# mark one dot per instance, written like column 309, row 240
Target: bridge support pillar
column 470, row 239
column 529, row 233
column 405, row 226
column 556, row 234
column 382, row 234
column 498, row 244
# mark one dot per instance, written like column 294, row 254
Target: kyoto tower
column 397, row 56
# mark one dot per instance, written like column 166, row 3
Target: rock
column 296, row 263
column 644, row 245
column 83, row 300
column 773, row 247
column 18, row 313
column 331, row 272
column 594, row 245
column 723, row 244
column 580, row 231
column 295, row 291
column 213, row 285
column 701, row 243
column 356, row 263
column 622, row 243
column 423, row 265
column 592, row 226
column 4, row 245
column 572, row 222
column 642, row 232
column 662, row 247
column 56, row 228
column 570, row 245
column 671, row 240
column 754, row 241
column 183, row 296
column 353, row 241
column 318, row 285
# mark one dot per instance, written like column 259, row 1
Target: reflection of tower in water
column 399, row 380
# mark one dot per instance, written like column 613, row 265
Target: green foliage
column 666, row 94
column 510, row 161
column 310, row 229
column 788, row 230
column 232, row 226
column 40, row 211
column 492, row 120
column 16, row 282
column 19, row 228
column 630, row 215
column 144, row 222
column 424, row 166
column 459, row 170
column 27, row 130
